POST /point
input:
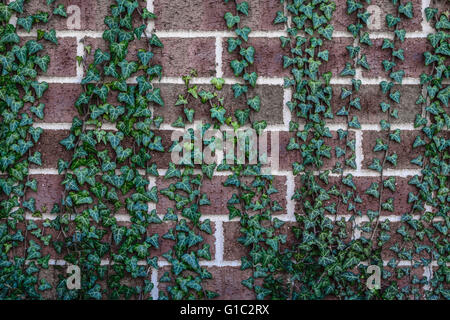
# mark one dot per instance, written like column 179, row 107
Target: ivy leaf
column 155, row 96
column 254, row 103
column 243, row 7
column 172, row 172
column 100, row 56
column 38, row 110
column 406, row 10
column 218, row 83
column 154, row 41
column 60, row 10
column 243, row 33
column 391, row 21
column 51, row 36
column 238, row 66
column 326, row 32
column 239, row 90
column 36, row 158
column 231, row 20
column 390, row 183
column 251, row 78
column 248, row 54
column 280, row 18
column 430, row 13
column 242, row 116
column 39, row 88
column 353, row 5
column 26, row 23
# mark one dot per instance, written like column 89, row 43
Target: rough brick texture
column 195, row 37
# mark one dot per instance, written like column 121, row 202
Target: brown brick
column 59, row 102
column 268, row 58
column 226, row 281
column 63, row 61
column 62, row 57
column 338, row 55
column 287, row 158
column 401, row 205
column 91, row 14
column 207, row 15
column 371, row 96
column 341, row 20
column 178, row 57
column 233, row 250
column 413, row 65
column 50, row 148
column 166, row 245
column 50, row 191
column 405, row 154
column 219, row 195
column 271, row 103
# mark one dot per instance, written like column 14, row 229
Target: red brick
column 91, row 14
column 287, row 158
column 233, row 250
column 268, row 58
column 178, row 57
column 405, row 154
column 371, row 96
column 413, row 65
column 341, row 20
column 208, row 15
column 338, row 55
column 226, row 281
column 59, row 102
column 401, row 204
column 50, row 191
column 219, row 195
column 50, row 148
column 271, row 103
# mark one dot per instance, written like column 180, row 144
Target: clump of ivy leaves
column 325, row 264
column 252, row 202
column 21, row 257
column 430, row 231
column 110, row 167
column 324, row 256
column 392, row 89
column 185, row 279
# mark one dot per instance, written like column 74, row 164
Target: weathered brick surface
column 59, row 103
column 51, row 149
column 268, row 58
column 271, row 103
column 62, row 57
column 219, row 195
column 371, row 96
column 405, row 155
column 378, row 10
column 207, row 15
column 178, row 57
column 400, row 197
column 337, row 55
column 289, row 157
column 413, row 65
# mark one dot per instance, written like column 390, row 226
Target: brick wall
column 194, row 35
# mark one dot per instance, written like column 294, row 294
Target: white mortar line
column 155, row 281
column 219, row 53
column 214, row 34
column 219, row 243
column 274, row 81
column 151, row 23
